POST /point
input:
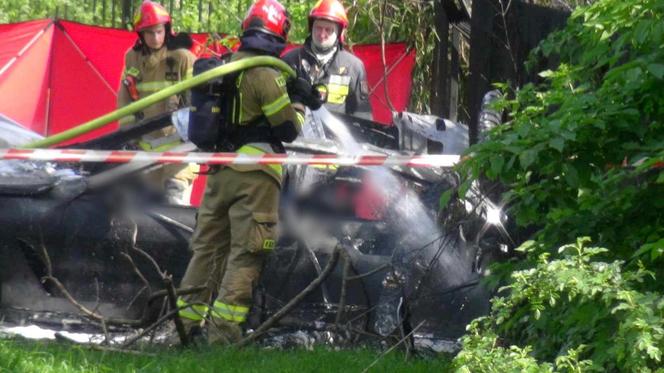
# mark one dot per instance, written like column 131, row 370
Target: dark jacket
column 343, row 75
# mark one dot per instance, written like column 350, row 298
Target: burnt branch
column 138, row 294
column 87, row 312
column 180, row 291
column 369, row 273
column 293, row 302
column 172, row 299
column 168, row 316
column 151, row 260
column 64, row 338
column 84, row 310
column 138, row 272
column 393, row 347
column 344, row 286
column 169, row 294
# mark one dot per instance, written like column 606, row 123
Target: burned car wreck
column 108, row 242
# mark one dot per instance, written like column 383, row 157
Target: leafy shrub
column 582, row 151
column 566, row 310
column 582, row 155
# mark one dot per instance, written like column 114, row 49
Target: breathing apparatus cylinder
column 205, row 116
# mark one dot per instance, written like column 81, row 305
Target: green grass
column 25, row 356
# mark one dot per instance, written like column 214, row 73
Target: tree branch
column 393, row 347
column 293, row 302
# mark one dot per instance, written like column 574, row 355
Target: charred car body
column 401, row 264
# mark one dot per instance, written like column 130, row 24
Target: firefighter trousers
column 235, row 230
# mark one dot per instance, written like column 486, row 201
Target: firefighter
column 324, row 60
column 158, row 59
column 237, row 219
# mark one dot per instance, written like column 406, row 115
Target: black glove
column 300, row 90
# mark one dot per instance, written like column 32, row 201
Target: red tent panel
column 16, row 36
column 79, row 92
column 103, row 47
column 399, row 63
column 24, row 61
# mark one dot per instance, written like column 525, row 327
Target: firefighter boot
column 194, row 331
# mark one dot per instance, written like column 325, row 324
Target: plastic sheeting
column 13, row 135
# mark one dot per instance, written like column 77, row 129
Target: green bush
column 581, row 155
column 580, row 150
column 569, row 309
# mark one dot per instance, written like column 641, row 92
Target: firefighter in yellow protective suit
column 237, row 220
column 157, row 60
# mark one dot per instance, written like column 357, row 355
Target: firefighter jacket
column 151, row 73
column 264, row 101
column 343, row 75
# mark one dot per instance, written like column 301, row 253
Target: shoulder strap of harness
column 237, row 135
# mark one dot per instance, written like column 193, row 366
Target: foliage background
column 371, row 21
column 402, row 19
column 581, row 157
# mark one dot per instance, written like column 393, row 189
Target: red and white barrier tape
column 75, row 156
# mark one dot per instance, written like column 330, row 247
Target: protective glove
column 300, row 90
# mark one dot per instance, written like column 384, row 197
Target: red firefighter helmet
column 331, row 10
column 150, row 14
column 268, row 16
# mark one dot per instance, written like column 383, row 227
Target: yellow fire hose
column 163, row 94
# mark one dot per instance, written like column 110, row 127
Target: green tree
column 582, row 154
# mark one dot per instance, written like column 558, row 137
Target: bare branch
column 180, row 291
column 382, row 54
column 107, row 338
column 96, row 307
column 508, row 44
column 138, row 294
column 91, row 314
column 134, row 237
column 172, row 299
column 87, row 312
column 145, row 281
column 293, row 302
column 156, row 324
column 393, row 347
column 369, row 273
column 104, row 327
column 344, row 283
column 151, row 260
column 62, row 337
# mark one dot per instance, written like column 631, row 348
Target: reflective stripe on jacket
column 262, row 93
column 153, row 72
